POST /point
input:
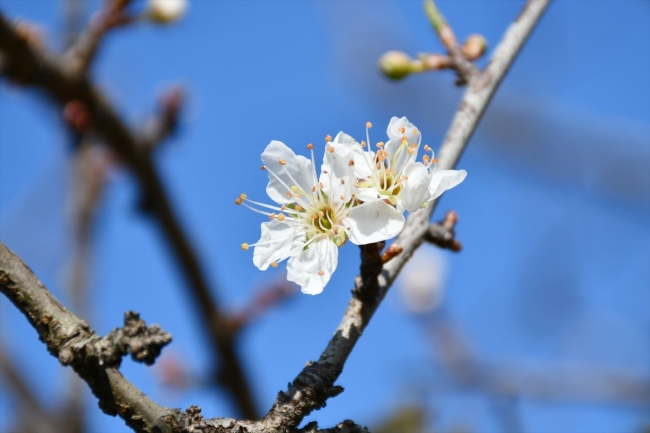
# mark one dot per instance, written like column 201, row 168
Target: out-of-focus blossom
column 166, row 11
column 421, row 284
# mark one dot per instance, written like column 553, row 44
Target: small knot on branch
column 391, row 252
column 442, row 233
column 143, row 342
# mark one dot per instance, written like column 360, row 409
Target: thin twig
column 315, row 384
column 27, row 66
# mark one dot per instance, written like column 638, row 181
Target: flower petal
column 312, row 268
column 373, row 222
column 337, row 171
column 394, row 126
column 279, row 159
column 443, row 180
column 284, row 241
column 416, row 187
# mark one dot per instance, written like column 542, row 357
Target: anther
column 298, row 208
column 274, row 264
column 244, row 246
column 237, row 201
column 342, row 197
column 363, row 144
column 262, row 168
column 313, row 188
column 400, row 129
column 320, row 184
column 415, row 131
column 330, row 149
column 294, row 188
column 410, row 150
column 380, row 144
column 368, row 125
column 404, row 139
column 435, row 160
column 272, row 216
column 351, row 163
column 321, row 273
column 283, row 207
column 282, row 161
column 288, row 194
column 342, row 181
column 321, row 213
column 281, row 217
column 426, row 147
column 296, row 195
column 328, row 138
column 243, row 196
column 310, row 146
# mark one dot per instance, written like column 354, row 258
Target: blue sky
column 553, row 214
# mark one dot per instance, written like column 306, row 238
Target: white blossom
column 166, row 11
column 391, row 173
column 422, row 280
column 314, row 215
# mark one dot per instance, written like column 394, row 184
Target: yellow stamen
column 328, row 138
column 298, row 208
column 294, row 188
column 283, row 207
column 415, row 131
column 244, row 246
column 351, row 163
column 426, row 147
column 282, row 161
column 313, row 188
column 237, row 201
column 380, row 144
column 368, row 125
column 310, row 147
column 400, row 129
column 330, row 149
column 272, row 216
column 281, row 217
column 262, row 167
column 288, row 194
column 321, row 273
column 274, row 265
column 243, row 196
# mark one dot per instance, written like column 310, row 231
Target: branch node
column 442, row 233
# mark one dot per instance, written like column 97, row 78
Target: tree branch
column 73, row 343
column 27, row 66
column 315, row 384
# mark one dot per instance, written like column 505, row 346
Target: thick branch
column 315, row 384
column 29, row 67
column 71, row 340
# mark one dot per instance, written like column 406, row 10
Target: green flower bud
column 396, row 65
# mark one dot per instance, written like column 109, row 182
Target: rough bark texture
column 315, row 384
column 26, row 65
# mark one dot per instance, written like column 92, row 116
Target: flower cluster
column 360, row 195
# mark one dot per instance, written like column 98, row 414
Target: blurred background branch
column 28, row 66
